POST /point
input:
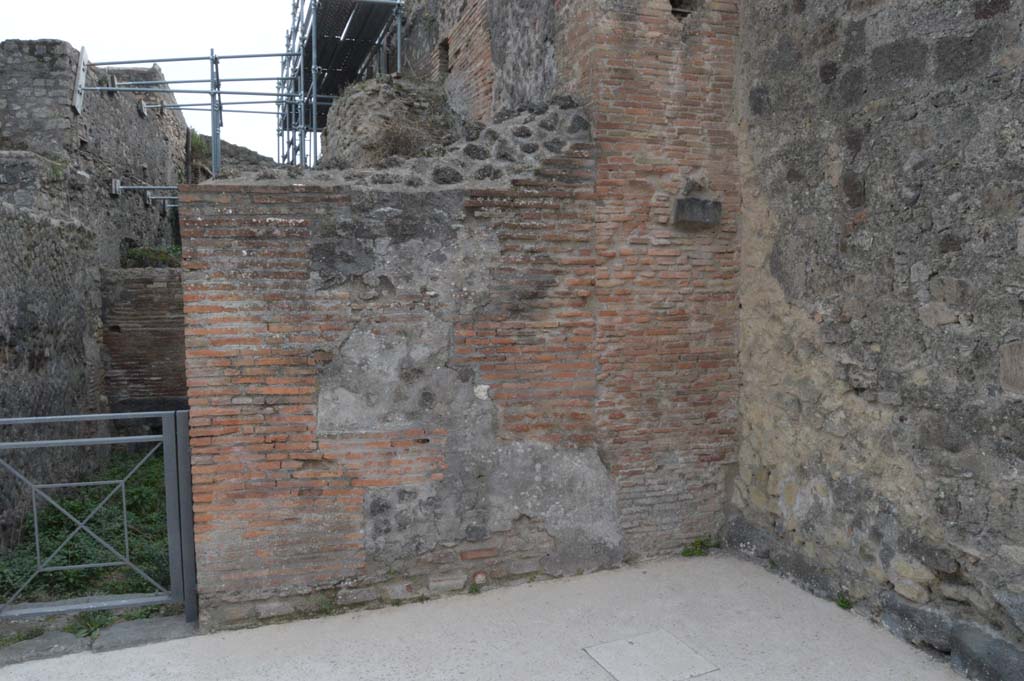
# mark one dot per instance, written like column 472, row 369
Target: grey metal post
column 214, row 115
column 316, row 79
column 188, row 532
column 173, row 499
column 302, row 106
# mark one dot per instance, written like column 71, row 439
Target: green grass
column 200, row 147
column 147, row 538
column 700, row 547
column 843, row 601
column 86, row 624
column 152, row 257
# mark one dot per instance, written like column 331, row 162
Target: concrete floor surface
column 723, row 612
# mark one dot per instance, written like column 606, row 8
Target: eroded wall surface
column 143, row 339
column 59, row 226
column 514, row 359
column 882, row 312
column 658, row 88
column 62, row 163
column 393, row 384
column 48, row 352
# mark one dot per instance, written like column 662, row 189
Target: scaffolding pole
column 215, row 116
column 330, row 44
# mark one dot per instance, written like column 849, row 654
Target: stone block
column 693, row 213
column 142, row 632
column 448, row 583
column 50, row 644
column 916, row 623
column 911, row 590
column 348, row 597
column 1011, row 367
column 979, row 653
column 900, row 59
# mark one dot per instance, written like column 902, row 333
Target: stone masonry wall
column 143, row 339
column 49, row 353
column 58, row 164
column 60, row 225
column 882, row 313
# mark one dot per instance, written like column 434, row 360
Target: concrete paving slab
column 658, row 656
column 751, row 624
column 142, row 632
column 50, row 644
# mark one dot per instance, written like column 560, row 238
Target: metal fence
column 167, row 437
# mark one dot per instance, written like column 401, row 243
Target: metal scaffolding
column 331, row 44
column 215, row 90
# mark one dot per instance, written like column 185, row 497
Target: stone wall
column 75, row 156
column 59, row 164
column 882, row 312
column 59, row 226
column 491, row 55
column 143, row 339
column 49, row 351
column 380, row 119
column 451, row 43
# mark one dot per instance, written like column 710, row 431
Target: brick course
column 600, row 333
column 660, row 93
column 143, row 339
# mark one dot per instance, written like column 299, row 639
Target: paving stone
column 142, row 632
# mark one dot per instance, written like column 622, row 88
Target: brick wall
column 470, row 78
column 659, row 91
column 143, row 339
column 394, row 392
column 451, row 43
column 291, row 492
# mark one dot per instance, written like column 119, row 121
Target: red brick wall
column 660, row 95
column 253, row 332
column 611, row 329
column 535, row 346
column 469, row 59
column 143, row 338
column 279, row 510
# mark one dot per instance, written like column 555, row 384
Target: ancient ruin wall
column 62, row 163
column 451, row 43
column 490, row 54
column 59, row 226
column 882, row 310
column 59, row 164
column 143, row 339
column 658, row 87
column 393, row 384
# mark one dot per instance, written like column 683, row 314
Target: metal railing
column 172, row 442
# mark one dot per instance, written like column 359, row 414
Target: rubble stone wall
column 59, row 226
column 882, row 312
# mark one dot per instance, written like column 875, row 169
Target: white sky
column 125, row 29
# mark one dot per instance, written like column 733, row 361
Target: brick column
column 660, row 94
